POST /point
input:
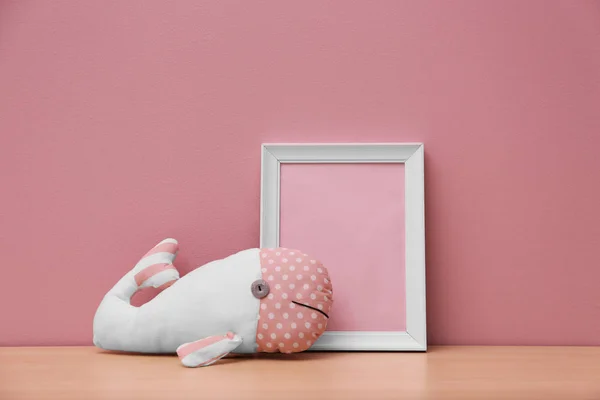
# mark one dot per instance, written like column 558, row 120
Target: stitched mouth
column 312, row 308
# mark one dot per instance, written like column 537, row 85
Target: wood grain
column 442, row 373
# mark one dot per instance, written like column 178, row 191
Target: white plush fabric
column 211, row 300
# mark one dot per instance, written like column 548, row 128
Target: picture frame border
column 409, row 154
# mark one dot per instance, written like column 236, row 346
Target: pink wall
column 126, row 122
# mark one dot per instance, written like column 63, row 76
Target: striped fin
column 207, row 351
column 156, row 268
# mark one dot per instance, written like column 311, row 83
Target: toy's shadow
column 303, row 356
column 131, row 353
column 278, row 357
column 236, row 358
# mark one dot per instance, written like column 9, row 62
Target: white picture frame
column 409, row 154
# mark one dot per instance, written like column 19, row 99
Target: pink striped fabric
column 164, row 248
column 189, row 348
column 150, row 271
column 165, row 285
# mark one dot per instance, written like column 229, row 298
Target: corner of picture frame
column 412, row 156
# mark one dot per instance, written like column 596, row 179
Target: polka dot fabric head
column 292, row 317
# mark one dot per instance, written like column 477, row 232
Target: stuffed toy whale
column 258, row 300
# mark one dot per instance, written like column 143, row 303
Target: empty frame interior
column 351, row 217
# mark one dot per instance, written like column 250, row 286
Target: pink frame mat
column 351, row 217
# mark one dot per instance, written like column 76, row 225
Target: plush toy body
column 258, row 300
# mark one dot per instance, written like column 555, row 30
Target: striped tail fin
column 114, row 322
column 155, row 269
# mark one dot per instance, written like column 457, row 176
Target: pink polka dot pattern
column 291, row 317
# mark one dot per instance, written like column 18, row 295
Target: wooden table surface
column 87, row 373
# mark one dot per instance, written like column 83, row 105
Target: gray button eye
column 260, row 289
